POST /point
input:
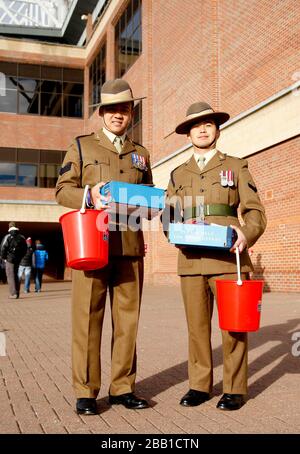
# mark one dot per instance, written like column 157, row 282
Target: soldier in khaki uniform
column 225, row 183
column 93, row 160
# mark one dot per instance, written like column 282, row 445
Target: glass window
column 97, row 77
column 8, row 101
column 71, row 88
column 72, row 106
column 51, row 104
column 8, row 82
column 29, row 167
column 28, row 102
column 27, row 175
column 48, row 175
column 51, row 86
column 7, row 174
column 135, row 129
column 128, row 37
column 37, row 90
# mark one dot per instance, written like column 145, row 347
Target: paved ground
column 35, row 388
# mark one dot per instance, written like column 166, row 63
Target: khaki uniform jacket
column 102, row 162
column 188, row 180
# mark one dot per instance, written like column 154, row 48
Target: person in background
column 40, row 256
column 26, row 265
column 13, row 248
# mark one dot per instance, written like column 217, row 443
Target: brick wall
column 258, row 50
column 277, row 255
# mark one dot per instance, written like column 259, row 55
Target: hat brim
column 185, row 126
column 104, row 104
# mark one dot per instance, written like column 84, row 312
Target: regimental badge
column 138, row 161
column 226, row 178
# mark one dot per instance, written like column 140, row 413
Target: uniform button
column 121, row 157
column 202, row 176
column 121, row 171
column 96, row 162
column 201, row 190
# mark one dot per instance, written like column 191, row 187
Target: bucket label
column 259, row 306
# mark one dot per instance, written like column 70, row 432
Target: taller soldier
column 224, row 184
column 93, row 160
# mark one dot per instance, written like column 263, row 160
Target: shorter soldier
column 224, row 183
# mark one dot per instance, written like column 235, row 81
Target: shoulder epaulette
column 84, row 135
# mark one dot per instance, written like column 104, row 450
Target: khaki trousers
column 124, row 279
column 198, row 294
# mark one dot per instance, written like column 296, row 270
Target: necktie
column 118, row 143
column 201, row 162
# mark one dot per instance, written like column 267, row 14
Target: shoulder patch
column 65, row 168
column 252, row 186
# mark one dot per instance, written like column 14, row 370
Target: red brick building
column 241, row 59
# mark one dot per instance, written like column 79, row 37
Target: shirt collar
column 111, row 136
column 208, row 155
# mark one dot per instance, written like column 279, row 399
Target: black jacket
column 13, row 247
column 27, row 259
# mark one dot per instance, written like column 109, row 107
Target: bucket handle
column 82, row 209
column 237, row 254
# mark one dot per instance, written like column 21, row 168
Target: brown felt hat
column 116, row 91
column 197, row 112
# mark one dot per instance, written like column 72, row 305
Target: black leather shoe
column 193, row 398
column 129, row 400
column 231, row 402
column 86, row 406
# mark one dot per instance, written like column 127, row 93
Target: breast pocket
column 95, row 171
column 219, row 193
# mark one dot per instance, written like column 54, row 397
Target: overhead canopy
column 47, row 20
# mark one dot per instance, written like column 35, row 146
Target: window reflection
column 8, row 101
column 128, row 37
column 27, row 175
column 48, row 175
column 38, row 90
column 32, row 168
column 97, row 75
column 135, row 129
column 28, row 102
column 7, row 174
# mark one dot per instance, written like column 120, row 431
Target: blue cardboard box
column 128, row 198
column 202, row 235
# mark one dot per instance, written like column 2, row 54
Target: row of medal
column 139, row 161
column 226, row 178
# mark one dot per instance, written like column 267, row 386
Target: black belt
column 214, row 209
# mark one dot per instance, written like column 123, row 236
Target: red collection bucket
column 85, row 238
column 239, row 306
